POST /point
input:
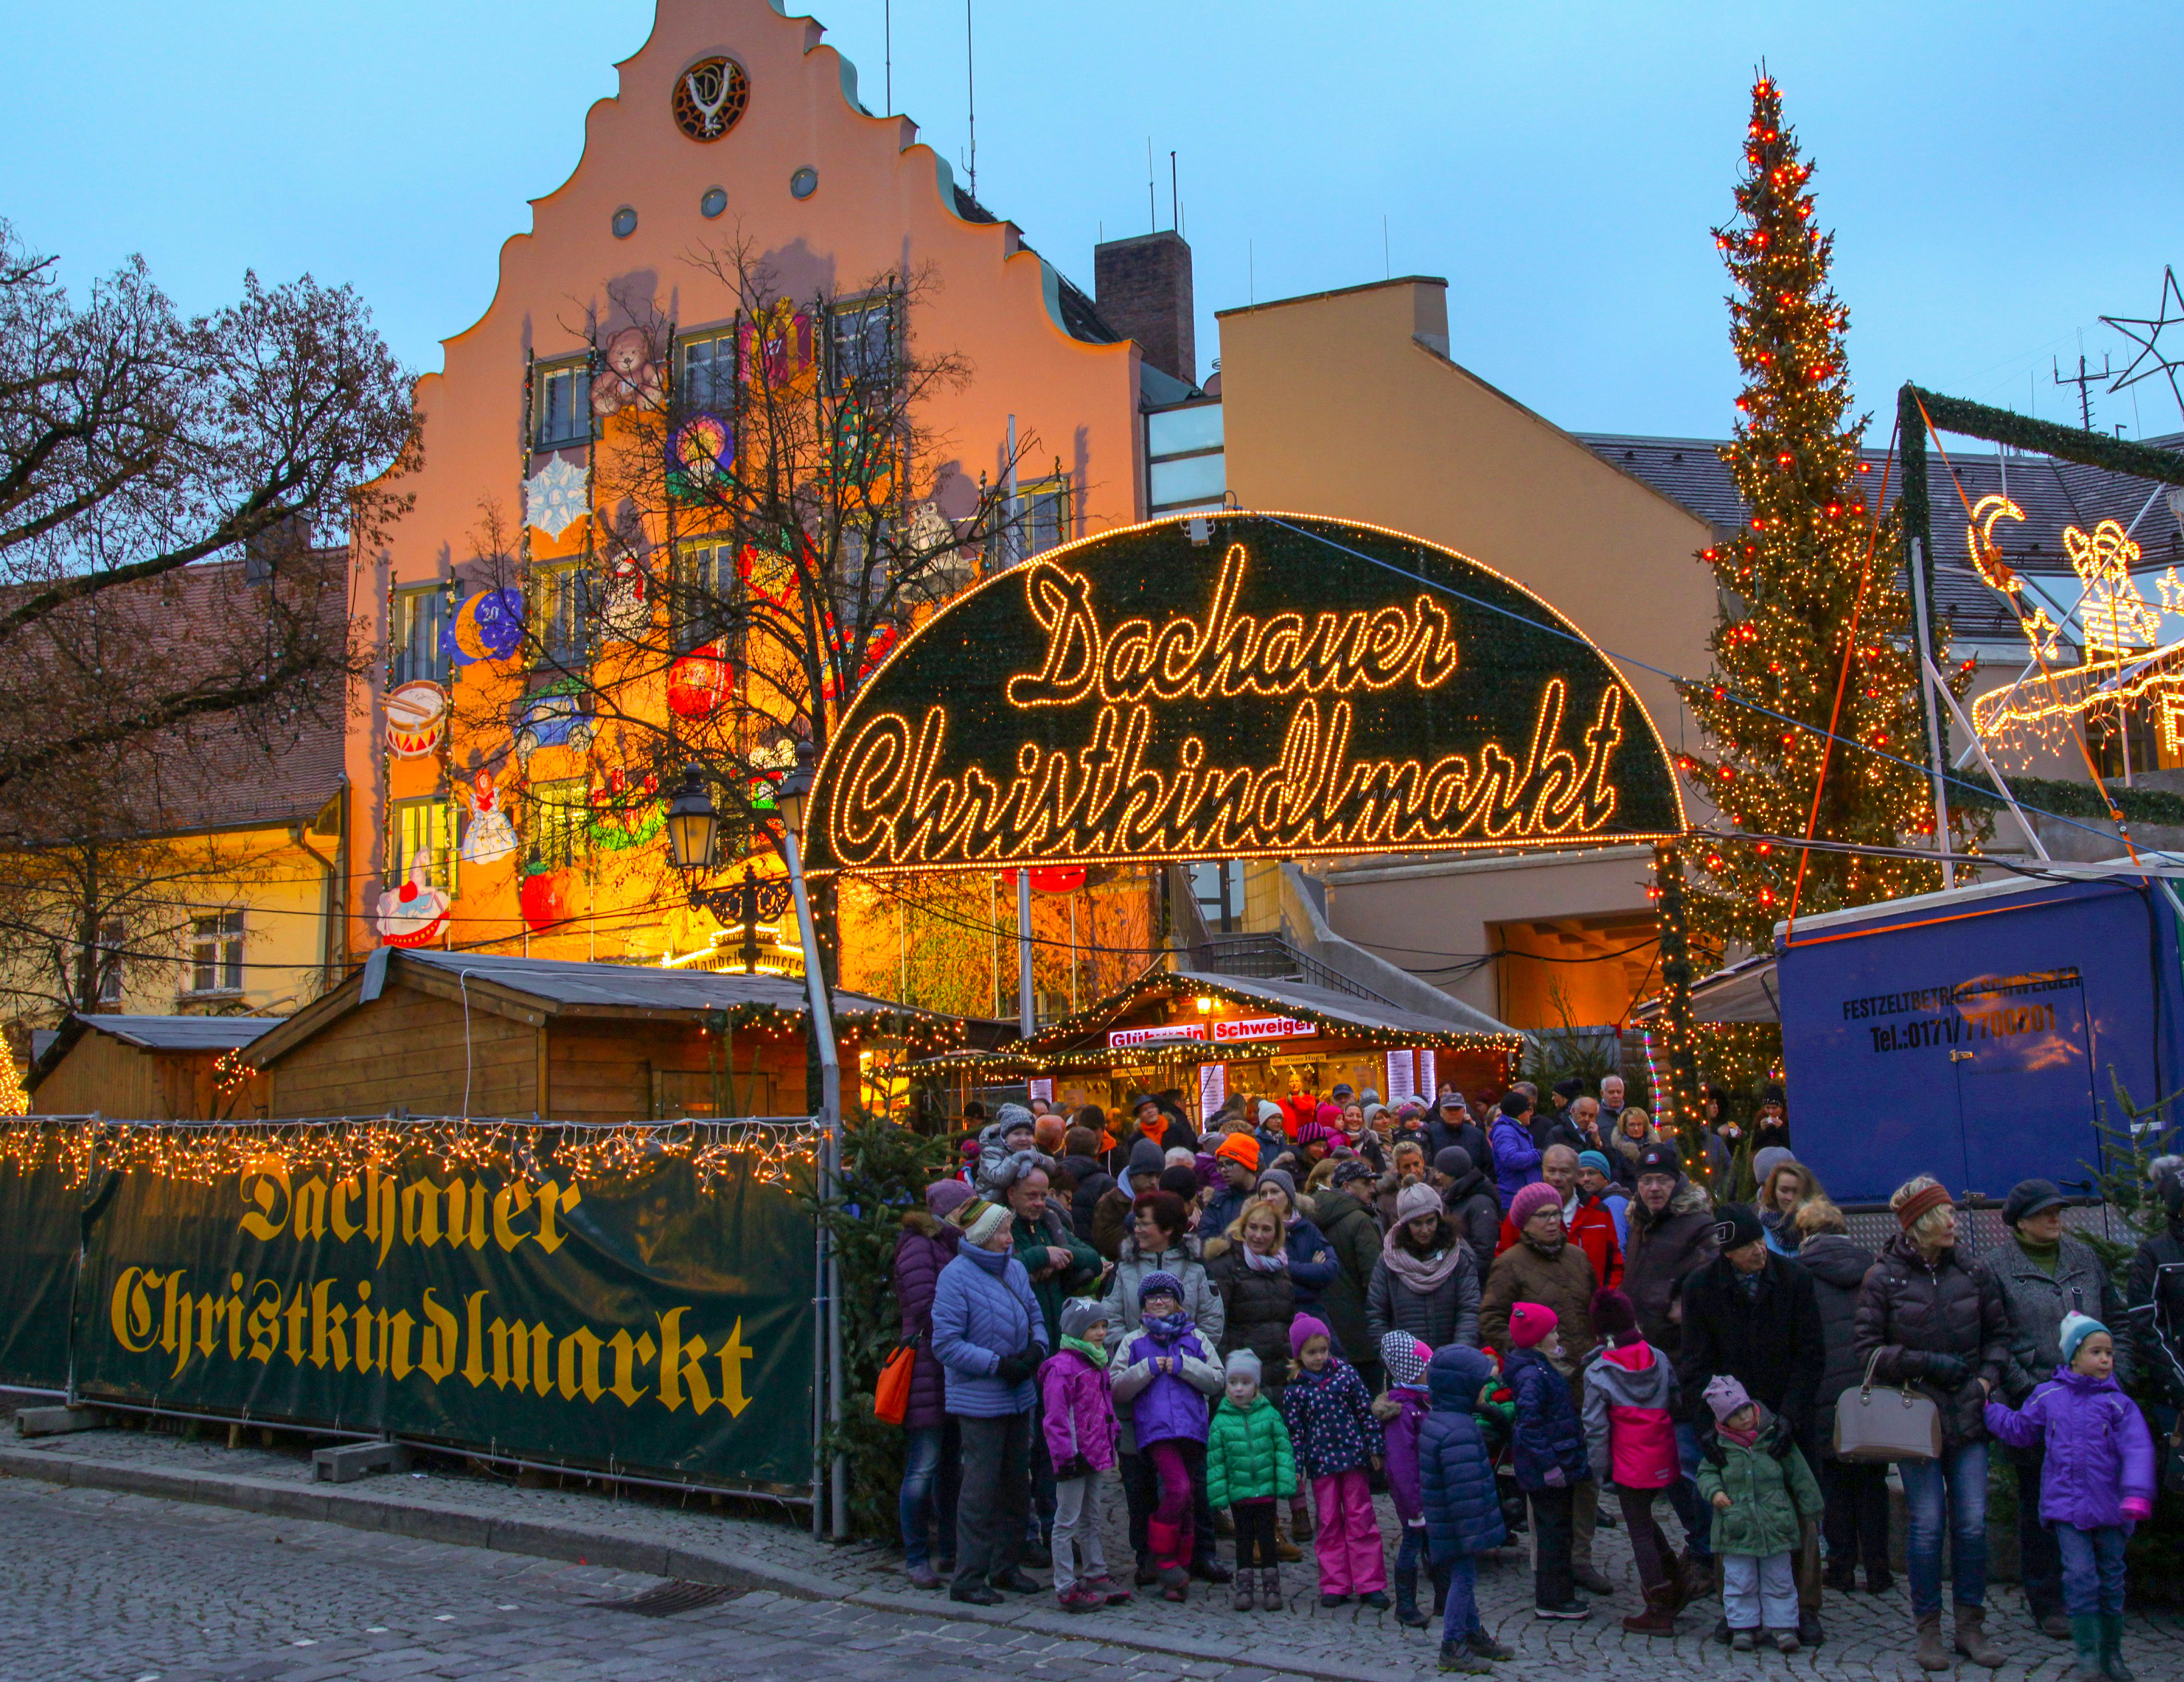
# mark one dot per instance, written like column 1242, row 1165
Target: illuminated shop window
column 216, row 953
column 563, row 405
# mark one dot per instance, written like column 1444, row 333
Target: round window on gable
column 804, row 183
column 625, row 223
column 715, row 202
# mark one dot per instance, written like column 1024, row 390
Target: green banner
column 40, row 1228
column 628, row 1318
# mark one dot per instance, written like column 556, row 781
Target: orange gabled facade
column 734, row 125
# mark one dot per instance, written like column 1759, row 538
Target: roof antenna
column 887, row 41
column 1174, row 217
column 971, row 80
column 1152, row 214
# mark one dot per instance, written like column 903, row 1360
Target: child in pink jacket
column 1630, row 1434
column 1081, row 1433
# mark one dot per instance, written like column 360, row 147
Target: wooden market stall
column 150, row 1068
column 458, row 1033
column 1209, row 1036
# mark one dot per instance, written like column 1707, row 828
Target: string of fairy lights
column 770, row 1151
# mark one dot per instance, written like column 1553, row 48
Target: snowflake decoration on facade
column 554, row 496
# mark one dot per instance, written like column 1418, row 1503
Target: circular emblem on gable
column 710, row 97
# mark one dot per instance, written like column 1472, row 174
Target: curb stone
column 355, row 1507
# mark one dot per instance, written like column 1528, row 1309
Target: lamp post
column 693, row 830
column 693, row 834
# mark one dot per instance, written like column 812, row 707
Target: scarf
column 1095, row 1353
column 1421, row 1274
column 1549, row 1251
column 1743, row 1439
column 1279, row 1262
column 1165, row 1329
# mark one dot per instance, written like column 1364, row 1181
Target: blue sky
column 1998, row 176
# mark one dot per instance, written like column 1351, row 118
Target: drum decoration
column 416, row 718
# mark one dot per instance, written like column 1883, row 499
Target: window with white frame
column 103, row 961
column 709, row 372
column 861, row 341
column 708, row 594
column 420, row 619
column 563, row 410
column 1037, row 520
column 561, row 818
column 429, row 826
column 216, row 953
column 561, row 613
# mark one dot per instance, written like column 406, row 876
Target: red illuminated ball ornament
column 544, row 900
column 699, row 684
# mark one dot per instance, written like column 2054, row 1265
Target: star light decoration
column 2145, row 332
column 554, row 497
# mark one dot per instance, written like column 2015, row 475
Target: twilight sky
column 1998, row 176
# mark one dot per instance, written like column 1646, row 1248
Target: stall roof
column 151, row 1033
column 1745, row 992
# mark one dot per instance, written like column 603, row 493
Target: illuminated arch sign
column 1289, row 686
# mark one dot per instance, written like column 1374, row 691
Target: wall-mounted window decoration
column 711, row 97
column 564, row 405
column 561, row 815
column 216, row 953
column 427, row 827
column 419, row 634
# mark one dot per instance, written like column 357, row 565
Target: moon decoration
column 630, row 378
column 1986, row 553
column 414, row 912
column 490, row 836
column 554, row 496
column 416, row 717
column 698, row 684
column 488, row 626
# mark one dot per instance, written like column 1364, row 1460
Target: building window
column 104, row 960
column 1219, row 890
column 563, row 405
column 1037, row 521
column 428, row 826
column 708, row 372
column 561, row 614
column 420, row 617
column 708, row 597
column 861, row 341
column 561, row 812
column 216, row 953
column 1186, row 464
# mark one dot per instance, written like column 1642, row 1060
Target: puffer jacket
column 1516, row 1158
column 1312, row 1260
column 1909, row 1308
column 1257, row 1309
column 1447, row 1313
column 1078, row 1411
column 1663, row 1250
column 1547, row 1432
column 1354, row 1235
column 2098, row 1447
column 1201, row 1301
column 1630, row 1417
column 2034, row 1305
column 1402, row 1409
column 2148, row 1283
column 1838, row 1267
column 1770, row 1341
column 982, row 1309
column 1248, row 1455
column 1473, row 1204
column 1770, row 1492
column 1563, row 1281
column 922, row 1248
column 1329, row 1414
column 1455, row 1473
column 1165, row 1407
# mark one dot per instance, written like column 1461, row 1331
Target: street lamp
column 693, row 828
column 692, row 825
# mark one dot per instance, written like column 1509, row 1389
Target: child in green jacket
column 1761, row 1488
column 1249, row 1465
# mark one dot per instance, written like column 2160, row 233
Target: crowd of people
column 1496, row 1315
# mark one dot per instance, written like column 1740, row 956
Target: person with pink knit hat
column 1329, row 1414
column 1550, row 1458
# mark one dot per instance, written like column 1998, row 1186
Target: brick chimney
column 1144, row 288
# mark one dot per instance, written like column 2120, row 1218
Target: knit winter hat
column 1146, row 1158
column 1238, row 1148
column 943, row 1198
column 1319, row 1133
column 1663, row 1159
column 1529, row 1322
column 1303, row 1329
column 1724, row 1396
column 1765, row 1162
column 985, row 1220
column 1270, row 1113
column 1414, row 1200
column 2076, row 1328
column 1571, row 1088
column 1737, row 1225
column 1405, row 1358
column 1353, row 1170
column 1010, row 1117
column 1242, row 1362
column 1278, row 1176
column 1530, row 1200
column 1079, row 1314
column 1453, row 1160
column 1614, row 1316
column 1154, row 1283
column 1597, row 1162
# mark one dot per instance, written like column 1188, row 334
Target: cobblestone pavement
column 215, row 1589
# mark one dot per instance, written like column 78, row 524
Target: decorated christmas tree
column 1791, row 593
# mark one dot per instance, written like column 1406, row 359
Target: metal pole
column 1933, row 711
column 1024, row 1010
column 1986, row 764
column 830, row 1120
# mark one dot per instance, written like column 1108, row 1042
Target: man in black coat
column 1451, row 1126
column 1094, row 1181
column 1755, row 1317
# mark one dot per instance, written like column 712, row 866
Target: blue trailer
column 1977, row 1034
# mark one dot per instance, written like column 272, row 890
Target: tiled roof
column 2053, row 494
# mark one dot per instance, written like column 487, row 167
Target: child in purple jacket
column 1167, row 1374
column 1079, row 1408
column 2097, row 1484
column 1400, row 1408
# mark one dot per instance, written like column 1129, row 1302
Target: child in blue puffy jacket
column 1463, row 1511
column 1551, row 1454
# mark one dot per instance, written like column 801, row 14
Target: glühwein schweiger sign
column 1288, row 686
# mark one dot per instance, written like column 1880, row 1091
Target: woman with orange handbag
column 925, row 1244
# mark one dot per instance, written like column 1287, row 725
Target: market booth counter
column 1212, row 1036
column 457, row 1033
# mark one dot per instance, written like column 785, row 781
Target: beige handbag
column 1886, row 1422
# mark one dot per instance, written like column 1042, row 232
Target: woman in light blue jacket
column 990, row 1337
